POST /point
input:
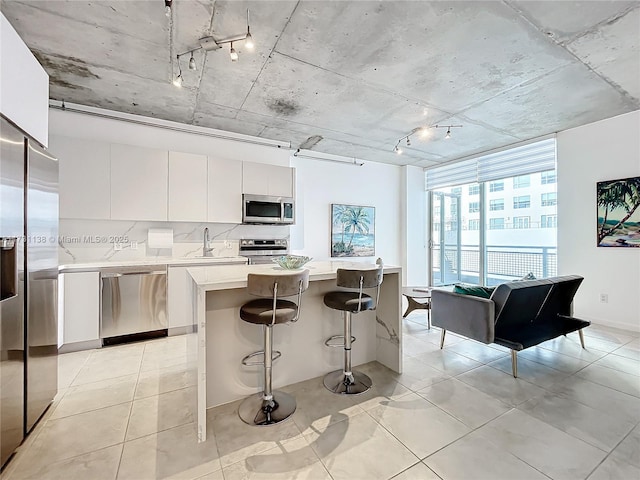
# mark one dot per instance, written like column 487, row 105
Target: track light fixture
column 208, row 44
column 178, row 80
column 167, row 8
column 233, row 54
column 423, row 133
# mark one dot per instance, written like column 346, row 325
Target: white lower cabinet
column 80, row 308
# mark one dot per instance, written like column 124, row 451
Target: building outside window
column 547, row 178
column 496, row 186
column 549, row 221
column 496, row 204
column 523, row 201
column 522, row 181
column 496, row 223
column 513, row 245
column 521, row 222
column 549, row 199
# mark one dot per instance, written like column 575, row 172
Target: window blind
column 533, row 157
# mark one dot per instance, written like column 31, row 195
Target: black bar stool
column 270, row 407
column 346, row 381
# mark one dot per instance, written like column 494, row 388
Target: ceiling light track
column 53, row 104
column 423, row 132
column 210, row 43
column 353, row 162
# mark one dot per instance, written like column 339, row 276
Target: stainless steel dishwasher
column 133, row 303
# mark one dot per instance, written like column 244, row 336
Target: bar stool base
column 255, row 410
column 338, row 382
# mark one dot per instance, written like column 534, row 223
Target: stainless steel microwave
column 267, row 209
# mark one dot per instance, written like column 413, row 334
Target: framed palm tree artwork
column 619, row 212
column 352, row 231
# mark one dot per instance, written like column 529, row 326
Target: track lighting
column 167, row 8
column 423, row 132
column 248, row 40
column 208, row 44
column 178, row 80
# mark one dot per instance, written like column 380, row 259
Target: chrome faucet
column 207, row 250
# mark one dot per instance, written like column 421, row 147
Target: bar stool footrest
column 245, row 360
column 341, row 383
column 255, row 410
column 329, row 342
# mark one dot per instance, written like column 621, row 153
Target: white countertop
column 235, row 276
column 144, row 262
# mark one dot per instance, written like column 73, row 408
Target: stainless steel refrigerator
column 28, row 284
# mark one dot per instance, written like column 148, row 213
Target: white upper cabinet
column 139, row 179
column 187, row 187
column 225, row 191
column 264, row 179
column 84, row 177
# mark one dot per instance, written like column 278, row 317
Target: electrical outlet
column 227, row 244
column 117, row 246
column 133, row 245
column 604, row 298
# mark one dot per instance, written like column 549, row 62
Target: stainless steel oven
column 261, row 251
column 266, row 209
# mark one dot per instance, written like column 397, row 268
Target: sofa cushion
column 474, row 290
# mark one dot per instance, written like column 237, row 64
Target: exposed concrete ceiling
column 349, row 77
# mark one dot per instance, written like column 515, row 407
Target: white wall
column 413, row 228
column 78, row 125
column 604, row 150
column 321, row 183
column 24, row 85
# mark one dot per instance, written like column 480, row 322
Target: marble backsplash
column 113, row 240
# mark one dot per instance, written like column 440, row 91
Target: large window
column 496, row 204
column 496, row 223
column 496, row 186
column 521, row 222
column 522, row 201
column 547, row 178
column 506, row 199
column 549, row 221
column 548, row 199
column 523, row 181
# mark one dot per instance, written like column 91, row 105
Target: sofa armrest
column 470, row 316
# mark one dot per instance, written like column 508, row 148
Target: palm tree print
column 620, row 195
column 349, row 221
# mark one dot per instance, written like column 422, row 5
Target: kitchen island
column 223, row 338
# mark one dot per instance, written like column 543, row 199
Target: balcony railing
column 504, row 263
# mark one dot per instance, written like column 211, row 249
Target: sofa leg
column 442, row 338
column 514, row 363
column 581, row 337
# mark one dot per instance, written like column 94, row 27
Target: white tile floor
column 123, row 412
